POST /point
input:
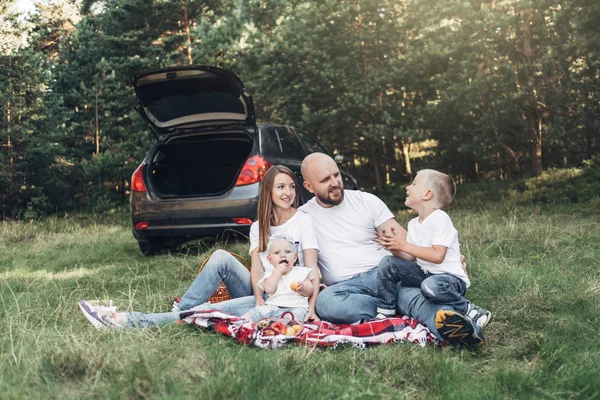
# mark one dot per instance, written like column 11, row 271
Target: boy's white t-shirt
column 346, row 232
column 438, row 229
column 284, row 296
column 299, row 229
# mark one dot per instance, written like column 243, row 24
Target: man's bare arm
column 392, row 227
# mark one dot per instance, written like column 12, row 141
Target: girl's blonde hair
column 265, row 204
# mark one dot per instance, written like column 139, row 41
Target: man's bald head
column 323, row 178
column 313, row 162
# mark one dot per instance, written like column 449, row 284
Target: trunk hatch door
column 186, row 98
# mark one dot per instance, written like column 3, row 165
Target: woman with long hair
column 277, row 217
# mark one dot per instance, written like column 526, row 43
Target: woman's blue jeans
column 221, row 267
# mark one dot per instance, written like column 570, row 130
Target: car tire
column 155, row 247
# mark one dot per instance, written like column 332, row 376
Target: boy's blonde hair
column 442, row 185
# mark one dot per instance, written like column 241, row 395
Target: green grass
column 535, row 266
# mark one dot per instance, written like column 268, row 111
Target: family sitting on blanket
column 346, row 224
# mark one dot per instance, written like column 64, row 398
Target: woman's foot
column 101, row 316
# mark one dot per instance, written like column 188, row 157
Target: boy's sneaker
column 457, row 329
column 480, row 317
column 101, row 316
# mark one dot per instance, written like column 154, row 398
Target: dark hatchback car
column 202, row 176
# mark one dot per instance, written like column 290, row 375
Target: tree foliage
column 482, row 89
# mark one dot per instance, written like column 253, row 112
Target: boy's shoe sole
column 457, row 329
column 91, row 315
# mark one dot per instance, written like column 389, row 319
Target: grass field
column 536, row 267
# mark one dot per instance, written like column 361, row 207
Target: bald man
column 346, row 223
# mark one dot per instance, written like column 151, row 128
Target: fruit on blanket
column 294, row 286
column 268, row 332
column 262, row 324
column 290, row 331
column 279, row 327
column 296, row 328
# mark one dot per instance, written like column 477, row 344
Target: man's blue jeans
column 393, row 273
column 355, row 300
column 221, row 267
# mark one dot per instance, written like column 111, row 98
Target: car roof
column 269, row 125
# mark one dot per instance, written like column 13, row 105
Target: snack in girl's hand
column 294, row 286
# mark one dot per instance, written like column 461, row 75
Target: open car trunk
column 201, row 165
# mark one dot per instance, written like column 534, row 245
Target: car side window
column 270, row 143
column 290, row 145
column 311, row 144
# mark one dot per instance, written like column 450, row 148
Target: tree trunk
column 534, row 129
column 512, row 157
column 97, row 131
column 375, row 162
column 186, row 22
column 8, row 127
column 406, row 153
column 532, row 114
column 366, row 118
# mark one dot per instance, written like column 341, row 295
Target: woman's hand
column 260, row 301
column 311, row 315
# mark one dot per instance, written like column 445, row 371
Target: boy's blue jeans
column 355, row 300
column 394, row 272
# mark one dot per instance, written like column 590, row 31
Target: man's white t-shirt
column 346, row 232
column 298, row 229
column 438, row 229
column 284, row 296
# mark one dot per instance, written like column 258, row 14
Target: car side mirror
column 338, row 158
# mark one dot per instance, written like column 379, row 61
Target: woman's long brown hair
column 265, row 204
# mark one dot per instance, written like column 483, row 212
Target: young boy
column 430, row 254
column 288, row 287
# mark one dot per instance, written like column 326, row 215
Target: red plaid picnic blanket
column 317, row 334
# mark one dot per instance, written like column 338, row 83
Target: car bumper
column 187, row 218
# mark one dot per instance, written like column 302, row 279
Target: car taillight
column 253, row 171
column 242, row 221
column 137, row 180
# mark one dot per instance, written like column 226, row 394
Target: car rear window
column 270, row 143
column 170, row 100
column 290, row 144
column 311, row 144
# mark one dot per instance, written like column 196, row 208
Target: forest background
column 494, row 90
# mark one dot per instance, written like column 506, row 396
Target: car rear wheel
column 155, row 246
